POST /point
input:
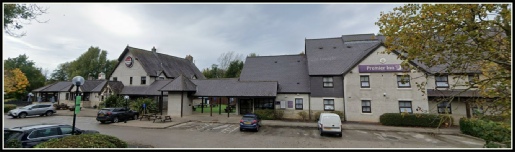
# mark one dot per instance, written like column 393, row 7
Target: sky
column 204, row 31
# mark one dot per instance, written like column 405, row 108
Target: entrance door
column 245, row 106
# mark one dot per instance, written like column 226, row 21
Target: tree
column 234, row 69
column 59, row 74
column 226, row 58
column 15, row 15
column 252, row 55
column 214, row 72
column 460, row 36
column 15, row 82
column 35, row 77
column 90, row 63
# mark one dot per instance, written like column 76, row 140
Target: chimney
column 189, row 58
column 101, row 76
column 154, row 49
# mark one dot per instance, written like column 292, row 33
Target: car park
column 33, row 109
column 250, row 121
column 330, row 123
column 31, row 135
column 116, row 115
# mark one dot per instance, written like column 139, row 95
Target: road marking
column 222, row 126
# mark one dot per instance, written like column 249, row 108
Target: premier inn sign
column 381, row 68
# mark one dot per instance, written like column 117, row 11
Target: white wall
column 292, row 113
column 123, row 73
column 458, row 110
column 174, row 104
column 317, row 104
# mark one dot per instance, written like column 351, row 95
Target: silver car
column 33, row 109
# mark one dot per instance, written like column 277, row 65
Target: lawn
column 215, row 109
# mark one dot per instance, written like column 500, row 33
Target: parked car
column 330, row 123
column 116, row 115
column 250, row 121
column 31, row 135
column 33, row 109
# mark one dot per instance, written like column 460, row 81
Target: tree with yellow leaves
column 15, row 81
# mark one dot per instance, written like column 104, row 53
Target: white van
column 330, row 123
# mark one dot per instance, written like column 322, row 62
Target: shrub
column 278, row 114
column 414, row 120
column 112, row 101
column 13, row 143
column 317, row 115
column 150, row 104
column 303, row 115
column 339, row 113
column 265, row 114
column 487, row 130
column 8, row 107
column 84, row 141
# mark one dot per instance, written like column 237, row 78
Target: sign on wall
column 380, row 68
column 290, row 104
column 129, row 61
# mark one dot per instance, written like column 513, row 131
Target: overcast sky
column 202, row 30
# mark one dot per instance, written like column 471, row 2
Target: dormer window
column 161, row 78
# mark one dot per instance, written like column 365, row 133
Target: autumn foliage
column 15, row 81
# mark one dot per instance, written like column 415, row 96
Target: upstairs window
column 365, row 81
column 328, row 82
column 130, row 81
column 403, row 81
column 143, row 80
column 442, row 81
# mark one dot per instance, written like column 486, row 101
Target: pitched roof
column 455, row 93
column 116, row 86
column 42, row 88
column 154, row 63
column 290, row 72
column 92, row 85
column 180, row 84
column 61, row 86
column 234, row 88
column 152, row 89
column 334, row 56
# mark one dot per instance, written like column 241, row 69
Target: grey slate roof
column 61, row 86
column 333, row 56
column 116, row 86
column 454, row 92
column 359, row 37
column 42, row 88
column 234, row 88
column 153, row 63
column 290, row 72
column 92, row 85
column 180, row 84
column 151, row 90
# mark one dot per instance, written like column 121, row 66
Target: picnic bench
column 148, row 116
column 162, row 118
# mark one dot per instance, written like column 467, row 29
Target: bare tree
column 15, row 15
column 226, row 58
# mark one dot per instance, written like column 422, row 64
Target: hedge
column 414, row 120
column 8, row 107
column 487, row 130
column 84, row 141
column 269, row 114
column 13, row 143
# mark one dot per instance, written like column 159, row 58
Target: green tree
column 15, row 15
column 34, row 76
column 59, row 74
column 90, row 63
column 252, row 55
column 462, row 37
column 214, row 72
column 234, row 69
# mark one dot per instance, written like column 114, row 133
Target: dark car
column 250, row 121
column 31, row 135
column 116, row 115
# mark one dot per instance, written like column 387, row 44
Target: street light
column 126, row 97
column 77, row 81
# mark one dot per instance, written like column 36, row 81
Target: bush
column 84, row 141
column 487, row 130
column 278, row 114
column 303, row 115
column 151, row 105
column 317, row 115
column 265, row 114
column 339, row 113
column 8, row 107
column 112, row 101
column 414, row 120
column 13, row 143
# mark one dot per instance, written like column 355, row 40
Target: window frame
column 328, row 82
column 403, row 107
column 361, row 81
column 143, row 80
column 400, row 80
column 301, row 104
column 130, row 80
column 446, row 81
column 441, row 105
column 369, row 106
column 328, row 104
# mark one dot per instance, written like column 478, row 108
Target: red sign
column 128, row 61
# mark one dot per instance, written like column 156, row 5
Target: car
column 31, row 135
column 116, row 115
column 330, row 123
column 33, row 109
column 250, row 121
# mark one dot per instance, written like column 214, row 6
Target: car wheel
column 257, row 128
column 115, row 120
column 241, row 129
column 103, row 122
column 49, row 113
column 23, row 115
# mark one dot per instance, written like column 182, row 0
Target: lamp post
column 77, row 81
column 126, row 97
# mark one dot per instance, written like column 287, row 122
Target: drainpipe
column 182, row 94
column 344, row 99
column 309, row 107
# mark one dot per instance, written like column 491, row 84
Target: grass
column 215, row 109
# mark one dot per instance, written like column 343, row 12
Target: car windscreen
column 9, row 134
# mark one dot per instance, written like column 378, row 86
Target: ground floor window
column 405, row 106
column 67, row 96
column 444, row 107
column 299, row 103
column 366, row 106
column 263, row 103
column 328, row 104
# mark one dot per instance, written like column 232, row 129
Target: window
column 67, row 96
column 366, row 106
column 444, row 107
column 298, row 103
column 283, row 104
column 328, row 82
column 365, row 81
column 161, row 78
column 328, row 104
column 405, row 106
column 86, row 96
column 263, row 103
column 403, row 81
column 441, row 81
column 66, row 130
column 130, row 81
column 472, row 79
column 44, row 133
column 115, row 78
column 143, row 80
